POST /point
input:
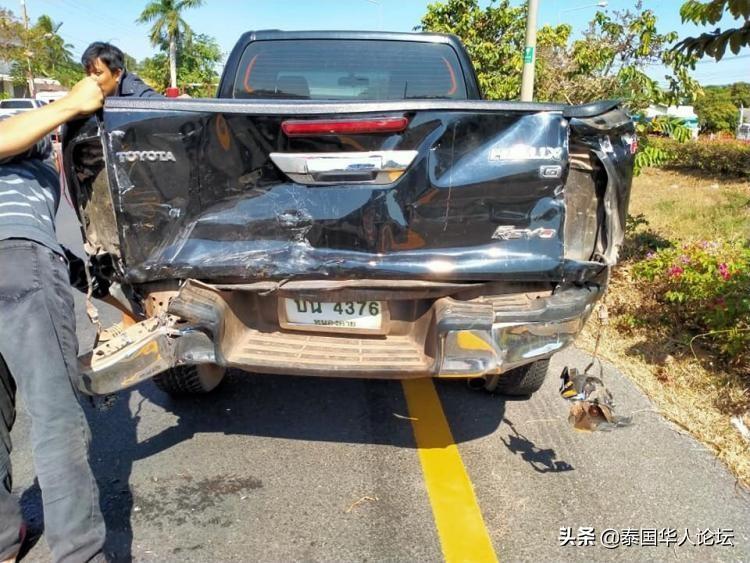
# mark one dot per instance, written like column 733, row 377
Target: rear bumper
column 450, row 338
column 516, row 336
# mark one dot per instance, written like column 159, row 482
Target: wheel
column 7, row 413
column 190, row 380
column 523, row 380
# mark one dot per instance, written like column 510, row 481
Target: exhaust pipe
column 476, row 383
column 486, row 382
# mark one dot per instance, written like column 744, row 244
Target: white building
column 743, row 125
column 10, row 90
column 7, row 88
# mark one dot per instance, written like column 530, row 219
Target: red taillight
column 300, row 128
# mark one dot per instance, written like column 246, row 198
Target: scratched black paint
column 223, row 211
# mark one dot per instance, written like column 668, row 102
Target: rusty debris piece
column 592, row 405
column 363, row 500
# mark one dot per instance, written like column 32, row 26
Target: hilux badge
column 146, row 156
column 526, row 152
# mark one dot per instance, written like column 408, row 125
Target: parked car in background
column 14, row 105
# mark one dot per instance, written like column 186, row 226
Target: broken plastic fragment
column 592, row 404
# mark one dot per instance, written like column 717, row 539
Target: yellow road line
column 461, row 528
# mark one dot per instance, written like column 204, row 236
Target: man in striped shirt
column 38, row 345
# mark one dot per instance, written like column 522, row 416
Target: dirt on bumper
column 237, row 326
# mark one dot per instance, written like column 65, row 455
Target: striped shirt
column 29, row 197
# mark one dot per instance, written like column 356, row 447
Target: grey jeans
column 38, row 346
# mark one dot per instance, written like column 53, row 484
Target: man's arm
column 21, row 131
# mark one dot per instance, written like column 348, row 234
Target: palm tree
column 54, row 53
column 168, row 27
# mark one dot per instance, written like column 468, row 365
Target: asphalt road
column 278, row 468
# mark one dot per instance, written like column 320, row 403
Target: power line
column 107, row 18
column 733, row 58
column 705, row 61
column 108, row 28
column 100, row 20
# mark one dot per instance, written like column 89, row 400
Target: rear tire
column 7, row 413
column 524, row 380
column 190, row 380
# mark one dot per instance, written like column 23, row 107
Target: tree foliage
column 714, row 43
column 611, row 59
column 48, row 52
column 168, row 28
column 651, row 154
column 196, row 68
column 165, row 17
column 11, row 36
column 716, row 110
column 494, row 37
column 52, row 56
column 608, row 62
column 739, row 92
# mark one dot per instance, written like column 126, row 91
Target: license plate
column 337, row 316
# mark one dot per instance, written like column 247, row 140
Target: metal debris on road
column 592, row 405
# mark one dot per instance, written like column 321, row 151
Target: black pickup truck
column 348, row 206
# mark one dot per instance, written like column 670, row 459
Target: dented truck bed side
column 493, row 191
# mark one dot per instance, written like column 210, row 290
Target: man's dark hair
column 108, row 53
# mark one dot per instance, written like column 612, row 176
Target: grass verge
column 694, row 389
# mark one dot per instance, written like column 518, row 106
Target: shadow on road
column 298, row 408
column 113, row 443
column 540, row 460
column 314, row 409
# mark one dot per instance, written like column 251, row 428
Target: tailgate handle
column 376, row 167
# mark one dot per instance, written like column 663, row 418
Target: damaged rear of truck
column 348, row 206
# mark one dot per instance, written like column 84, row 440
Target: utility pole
column 529, row 53
column 380, row 12
column 29, row 73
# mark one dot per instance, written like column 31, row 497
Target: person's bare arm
column 23, row 130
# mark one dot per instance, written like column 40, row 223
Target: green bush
column 705, row 287
column 727, row 157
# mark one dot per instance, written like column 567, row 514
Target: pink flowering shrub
column 705, row 286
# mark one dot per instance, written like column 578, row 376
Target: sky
column 85, row 21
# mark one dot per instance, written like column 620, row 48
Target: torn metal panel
column 610, row 138
column 197, row 195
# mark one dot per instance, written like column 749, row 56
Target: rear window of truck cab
column 328, row 69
